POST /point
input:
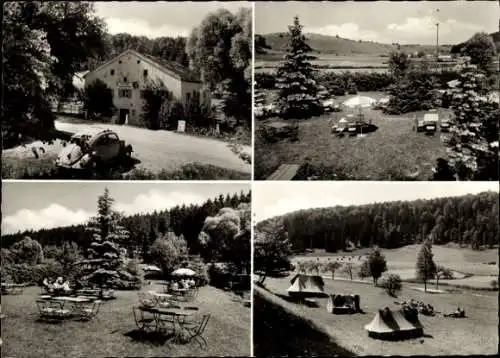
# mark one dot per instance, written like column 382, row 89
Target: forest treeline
column 166, row 48
column 144, row 228
column 470, row 220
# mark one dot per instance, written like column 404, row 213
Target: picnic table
column 162, row 318
column 82, row 306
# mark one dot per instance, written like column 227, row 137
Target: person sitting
column 174, row 286
column 184, row 284
column 48, row 285
column 65, row 286
column 192, row 283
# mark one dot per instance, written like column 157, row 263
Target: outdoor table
column 75, row 301
column 178, row 318
column 160, row 297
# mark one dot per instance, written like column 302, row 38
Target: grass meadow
column 113, row 332
column 395, row 151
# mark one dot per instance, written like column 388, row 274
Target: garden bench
column 285, row 172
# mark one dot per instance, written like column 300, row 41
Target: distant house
column 129, row 73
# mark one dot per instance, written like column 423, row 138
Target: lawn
column 395, row 151
column 112, row 333
column 470, row 267
column 477, row 334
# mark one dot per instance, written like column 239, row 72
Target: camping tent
column 343, row 303
column 389, row 324
column 306, row 286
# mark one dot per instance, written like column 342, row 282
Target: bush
column 98, row 99
column 365, row 82
column 201, row 270
column 219, row 275
column 392, row 284
column 49, row 269
column 19, row 273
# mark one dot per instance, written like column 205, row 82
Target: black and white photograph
column 375, row 268
column 125, row 269
column 377, row 90
column 126, row 90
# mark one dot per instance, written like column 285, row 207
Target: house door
column 124, row 115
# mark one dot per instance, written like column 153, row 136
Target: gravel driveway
column 169, row 150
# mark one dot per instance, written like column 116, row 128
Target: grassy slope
column 227, row 333
column 475, row 335
column 333, row 45
column 395, row 150
column 279, row 332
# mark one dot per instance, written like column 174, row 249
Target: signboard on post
column 181, row 126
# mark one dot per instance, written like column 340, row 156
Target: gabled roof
column 172, row 68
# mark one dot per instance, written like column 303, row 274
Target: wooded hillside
column 470, row 220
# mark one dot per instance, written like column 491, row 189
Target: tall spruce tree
column 426, row 268
column 295, row 78
column 105, row 255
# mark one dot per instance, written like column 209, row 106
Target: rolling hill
column 340, row 46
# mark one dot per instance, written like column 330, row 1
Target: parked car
column 92, row 149
column 330, row 105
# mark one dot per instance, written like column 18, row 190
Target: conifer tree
column 105, row 255
column 295, row 78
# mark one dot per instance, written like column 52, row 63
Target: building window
column 188, row 96
column 145, row 73
column 124, row 93
column 112, row 72
column 138, row 61
column 135, row 85
column 120, row 61
column 124, row 79
column 133, row 112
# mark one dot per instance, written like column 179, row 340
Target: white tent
column 343, row 120
column 359, row 101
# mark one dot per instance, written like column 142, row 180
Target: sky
column 272, row 199
column 156, row 19
column 36, row 205
column 383, row 21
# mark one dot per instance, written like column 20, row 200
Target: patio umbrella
column 359, row 101
column 152, row 268
column 184, row 272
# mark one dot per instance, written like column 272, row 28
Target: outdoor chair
column 52, row 309
column 89, row 310
column 195, row 330
column 146, row 299
column 144, row 320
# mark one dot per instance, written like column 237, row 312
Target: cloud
column 348, row 30
column 139, row 27
column 54, row 215
column 157, row 200
column 424, row 28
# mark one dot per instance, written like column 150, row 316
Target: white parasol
column 184, row 272
column 359, row 101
